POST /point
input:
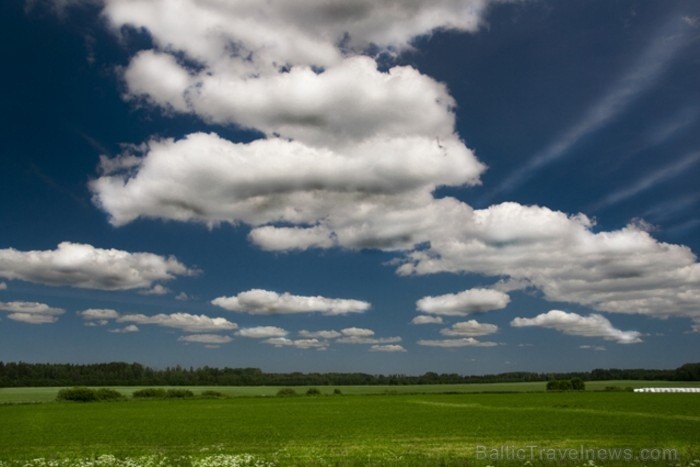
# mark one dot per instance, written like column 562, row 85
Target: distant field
column 17, row 395
column 402, row 429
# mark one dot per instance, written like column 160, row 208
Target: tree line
column 20, row 374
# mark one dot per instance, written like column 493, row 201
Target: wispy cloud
column 648, row 182
column 641, row 77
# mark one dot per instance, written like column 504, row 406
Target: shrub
column 214, row 394
column 618, row 389
column 178, row 393
column 574, row 384
column 77, row 394
column 106, row 394
column 149, row 393
column 313, row 392
column 286, row 392
column 337, row 391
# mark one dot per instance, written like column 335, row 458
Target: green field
column 399, row 429
column 16, row 395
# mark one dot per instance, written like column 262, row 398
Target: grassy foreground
column 428, row 429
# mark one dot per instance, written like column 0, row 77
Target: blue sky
column 456, row 186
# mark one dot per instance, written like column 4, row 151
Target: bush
column 337, row 391
column 214, row 394
column 77, row 394
column 149, row 393
column 313, row 392
column 286, row 392
column 105, row 394
column 178, row 393
column 574, row 384
column 618, row 389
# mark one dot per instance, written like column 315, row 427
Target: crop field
column 48, row 394
column 525, row 428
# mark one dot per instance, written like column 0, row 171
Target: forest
column 20, row 374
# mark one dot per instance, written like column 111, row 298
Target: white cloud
column 183, row 321
column 387, row 348
column 126, row 329
column 157, row 289
column 84, row 266
column 426, row 319
column 357, row 332
column 463, row 342
column 656, row 177
column 592, row 347
column 262, row 332
column 624, row 271
column 367, row 340
column 182, row 296
column 263, row 302
column 641, row 77
column 99, row 314
column 364, row 177
column 204, row 178
column 31, row 312
column 574, row 324
column 692, row 21
column 470, row 328
column 330, row 334
column 298, row 343
column 3, row 286
column 252, row 38
column 464, row 303
column 211, row 339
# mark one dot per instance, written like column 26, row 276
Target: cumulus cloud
column 449, row 343
column 464, row 303
column 3, row 286
column 387, row 348
column 31, row 312
column 252, row 38
column 262, row 332
column 182, row 296
column 298, row 343
column 183, row 321
column 469, row 328
column 329, row 334
column 98, row 316
column 264, row 302
column 365, row 177
column 574, row 324
column 623, row 271
column 426, row 319
column 355, row 335
column 210, row 339
column 275, row 69
column 357, row 332
column 207, row 179
column 84, row 266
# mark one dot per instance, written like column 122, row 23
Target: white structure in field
column 667, row 390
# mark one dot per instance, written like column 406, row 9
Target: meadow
column 48, row 394
column 476, row 428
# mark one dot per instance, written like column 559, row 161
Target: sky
column 459, row 186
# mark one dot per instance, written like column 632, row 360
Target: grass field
column 401, row 429
column 17, row 395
